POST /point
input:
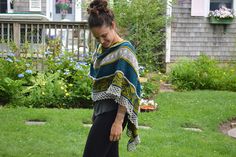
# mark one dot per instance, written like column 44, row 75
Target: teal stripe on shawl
column 121, row 65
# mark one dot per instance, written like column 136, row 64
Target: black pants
column 98, row 143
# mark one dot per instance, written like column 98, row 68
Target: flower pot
column 220, row 21
column 147, row 108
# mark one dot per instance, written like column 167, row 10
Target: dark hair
column 99, row 14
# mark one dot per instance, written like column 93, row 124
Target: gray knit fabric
column 103, row 106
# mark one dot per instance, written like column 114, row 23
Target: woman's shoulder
column 128, row 46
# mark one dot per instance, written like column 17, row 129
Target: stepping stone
column 35, row 122
column 144, row 127
column 233, row 125
column 193, row 129
column 232, row 132
column 87, row 125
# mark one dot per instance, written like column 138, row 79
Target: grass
column 64, row 135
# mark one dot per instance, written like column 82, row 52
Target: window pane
column 3, row 6
column 69, row 11
column 216, row 4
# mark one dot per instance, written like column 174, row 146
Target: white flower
column 223, row 12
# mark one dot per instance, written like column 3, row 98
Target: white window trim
column 234, row 5
column 78, row 8
column 9, row 10
column 207, row 7
column 168, row 32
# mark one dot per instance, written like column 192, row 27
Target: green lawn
column 64, row 134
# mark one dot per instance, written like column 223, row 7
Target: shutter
column 198, row 8
column 35, row 5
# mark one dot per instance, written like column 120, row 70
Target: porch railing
column 73, row 37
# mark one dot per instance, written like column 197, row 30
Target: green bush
column 9, row 90
column 75, row 75
column 45, row 91
column 151, row 87
column 63, row 83
column 12, row 67
column 143, row 23
column 202, row 73
column 14, row 74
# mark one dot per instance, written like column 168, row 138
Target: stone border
column 224, row 127
column 35, row 122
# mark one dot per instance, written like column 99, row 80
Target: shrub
column 151, row 87
column 202, row 73
column 9, row 90
column 14, row 74
column 46, row 91
column 75, row 75
column 144, row 28
column 64, row 83
column 11, row 67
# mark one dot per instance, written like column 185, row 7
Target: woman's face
column 104, row 35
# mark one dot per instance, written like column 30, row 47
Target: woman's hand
column 117, row 128
column 116, row 131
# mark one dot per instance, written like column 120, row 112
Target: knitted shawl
column 115, row 74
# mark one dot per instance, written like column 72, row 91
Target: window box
column 222, row 21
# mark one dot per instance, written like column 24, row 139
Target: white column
column 234, row 5
column 49, row 9
column 78, row 10
column 168, row 31
column 52, row 8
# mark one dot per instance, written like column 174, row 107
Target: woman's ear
column 113, row 25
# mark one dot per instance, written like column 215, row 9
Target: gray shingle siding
column 192, row 35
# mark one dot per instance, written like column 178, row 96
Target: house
column 72, row 10
column 36, row 21
column 190, row 33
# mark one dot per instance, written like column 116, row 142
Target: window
column 3, row 6
column 58, row 9
column 202, row 7
column 35, row 5
column 216, row 4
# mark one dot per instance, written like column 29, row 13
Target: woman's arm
column 116, row 129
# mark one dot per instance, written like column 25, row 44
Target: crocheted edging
column 131, row 146
column 114, row 90
column 120, row 100
column 96, row 79
column 129, row 107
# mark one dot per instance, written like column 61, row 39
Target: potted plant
column 223, row 15
column 147, row 105
column 64, row 6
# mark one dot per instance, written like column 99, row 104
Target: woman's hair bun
column 99, row 14
column 98, row 7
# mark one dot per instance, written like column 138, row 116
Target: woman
column 116, row 86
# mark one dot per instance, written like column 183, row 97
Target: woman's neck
column 117, row 39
